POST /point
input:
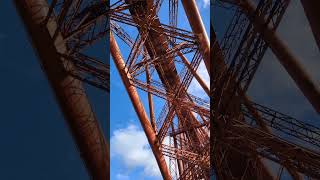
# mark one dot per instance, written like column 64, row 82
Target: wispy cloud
column 131, row 146
column 203, row 4
column 195, row 87
column 122, row 177
column 206, row 3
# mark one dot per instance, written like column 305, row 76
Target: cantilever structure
column 61, row 34
column 231, row 137
column 243, row 132
column 245, row 136
column 159, row 65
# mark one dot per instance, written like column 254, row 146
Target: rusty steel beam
column 150, row 100
column 180, row 164
column 156, row 45
column 194, row 73
column 195, row 20
column 139, row 108
column 293, row 173
column 167, row 70
column 172, row 88
column 220, row 66
column 311, row 8
column 69, row 92
column 292, row 65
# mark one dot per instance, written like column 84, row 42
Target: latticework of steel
column 248, row 140
column 233, row 137
column 69, row 37
column 160, row 59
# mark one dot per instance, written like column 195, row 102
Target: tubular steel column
column 286, row 58
column 311, row 8
column 198, row 29
column 69, row 91
column 139, row 108
column 150, row 101
column 219, row 67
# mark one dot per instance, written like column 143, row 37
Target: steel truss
column 65, row 34
column 158, row 65
column 246, row 133
column 82, row 24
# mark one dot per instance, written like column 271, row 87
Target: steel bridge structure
column 249, row 140
column 66, row 34
column 222, row 134
column 158, row 60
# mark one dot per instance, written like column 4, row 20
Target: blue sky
column 131, row 157
column 272, row 85
column 35, row 142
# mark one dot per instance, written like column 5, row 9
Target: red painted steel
column 49, row 44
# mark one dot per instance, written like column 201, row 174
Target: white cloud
column 195, row 88
column 203, row 4
column 122, row 177
column 206, row 3
column 131, row 146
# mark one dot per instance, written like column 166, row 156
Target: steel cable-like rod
column 291, row 63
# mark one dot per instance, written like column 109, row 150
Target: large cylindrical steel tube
column 292, row 65
column 195, row 20
column 139, row 108
column 69, row 92
column 311, row 8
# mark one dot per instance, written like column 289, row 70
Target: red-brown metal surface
column 243, row 133
column 239, row 147
column 50, row 46
column 194, row 73
column 285, row 56
column 241, row 125
column 195, row 20
column 312, row 12
column 160, row 46
column 261, row 171
column 139, row 108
